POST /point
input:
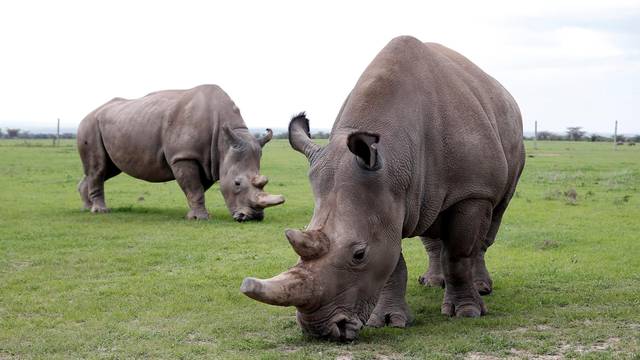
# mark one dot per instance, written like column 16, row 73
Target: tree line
column 10, row 133
column 572, row 134
column 577, row 134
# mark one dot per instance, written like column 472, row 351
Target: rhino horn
column 260, row 181
column 308, row 244
column 291, row 288
column 265, row 138
column 267, row 200
column 300, row 138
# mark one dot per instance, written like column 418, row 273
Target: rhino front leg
column 433, row 276
column 187, row 173
column 391, row 308
column 466, row 224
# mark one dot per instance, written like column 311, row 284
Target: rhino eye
column 358, row 255
column 237, row 182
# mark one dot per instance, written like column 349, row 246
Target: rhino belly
column 137, row 150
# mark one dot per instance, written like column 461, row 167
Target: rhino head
column 241, row 184
column 351, row 245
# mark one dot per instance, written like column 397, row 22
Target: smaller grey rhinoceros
column 194, row 136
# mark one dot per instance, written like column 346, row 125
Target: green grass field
column 141, row 282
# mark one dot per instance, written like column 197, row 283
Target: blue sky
column 567, row 63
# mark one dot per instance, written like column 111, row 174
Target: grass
column 141, row 282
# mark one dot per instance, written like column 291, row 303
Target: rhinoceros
column 194, row 136
column 426, row 144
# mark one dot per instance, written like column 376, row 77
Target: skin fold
column 194, row 136
column 426, row 144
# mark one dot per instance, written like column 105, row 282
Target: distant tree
column 67, row 136
column 13, row 133
column 575, row 133
column 621, row 138
column 320, row 135
column 1, row 134
column 315, row 135
column 596, row 137
column 25, row 135
column 548, row 135
column 282, row 135
column 635, row 138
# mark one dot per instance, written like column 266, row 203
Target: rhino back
column 144, row 136
column 449, row 131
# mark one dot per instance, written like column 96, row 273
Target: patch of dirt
column 388, row 357
column 584, row 349
column 345, row 356
column 195, row 339
column 522, row 354
column 19, row 266
column 561, row 352
column 480, row 356
column 289, row 349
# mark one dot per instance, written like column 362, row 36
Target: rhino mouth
column 253, row 214
column 341, row 328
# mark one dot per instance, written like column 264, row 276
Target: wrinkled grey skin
column 426, row 144
column 194, row 136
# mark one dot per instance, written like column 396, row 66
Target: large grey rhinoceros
column 426, row 144
column 194, row 136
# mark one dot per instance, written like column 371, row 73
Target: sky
column 567, row 63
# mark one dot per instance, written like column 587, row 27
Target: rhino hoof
column 197, row 215
column 97, row 209
column 469, row 310
column 398, row 319
column 464, row 310
column 431, row 280
column 483, row 287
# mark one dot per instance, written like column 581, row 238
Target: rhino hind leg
column 481, row 278
column 466, row 224
column 433, row 277
column 95, row 186
column 391, row 308
column 187, row 174
column 83, row 189
column 98, row 168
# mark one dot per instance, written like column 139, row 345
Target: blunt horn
column 260, row 181
column 291, row 288
column 308, row 244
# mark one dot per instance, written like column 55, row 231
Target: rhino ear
column 234, row 139
column 299, row 136
column 265, row 138
column 364, row 146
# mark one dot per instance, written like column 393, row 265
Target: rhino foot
column 483, row 286
column 431, row 280
column 481, row 278
column 463, row 305
column 99, row 209
column 400, row 317
column 197, row 215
